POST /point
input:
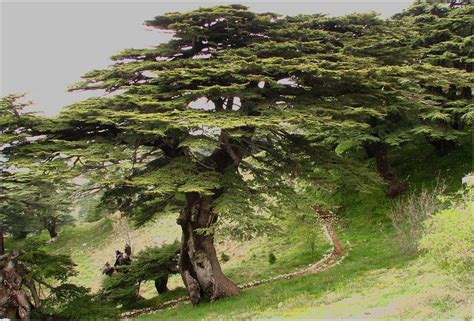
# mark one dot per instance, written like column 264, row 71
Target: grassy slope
column 92, row 244
column 413, row 290
column 374, row 281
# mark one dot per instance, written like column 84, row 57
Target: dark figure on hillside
column 108, row 269
column 128, row 250
column 127, row 260
column 118, row 258
column 122, row 259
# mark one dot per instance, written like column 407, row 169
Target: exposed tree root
column 332, row 258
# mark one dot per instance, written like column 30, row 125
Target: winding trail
column 332, row 258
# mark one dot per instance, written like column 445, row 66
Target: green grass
column 251, row 262
column 374, row 281
column 291, row 251
column 410, row 290
column 92, row 244
column 369, row 252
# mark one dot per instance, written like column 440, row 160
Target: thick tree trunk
column 12, row 313
column 53, row 233
column 443, row 147
column 161, row 284
column 386, row 171
column 2, row 241
column 15, row 302
column 198, row 263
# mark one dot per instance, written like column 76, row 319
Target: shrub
column 122, row 288
column 408, row 214
column 151, row 264
column 225, row 257
column 449, row 239
column 93, row 215
column 84, row 306
column 271, row 258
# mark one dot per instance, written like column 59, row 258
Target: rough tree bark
column 15, row 302
column 2, row 241
column 385, row 170
column 52, row 230
column 198, row 263
column 161, row 284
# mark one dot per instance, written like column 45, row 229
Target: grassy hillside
column 92, row 244
column 375, row 281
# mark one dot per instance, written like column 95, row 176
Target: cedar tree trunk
column 2, row 241
column 52, row 230
column 386, row 171
column 198, row 263
column 443, row 147
column 161, row 284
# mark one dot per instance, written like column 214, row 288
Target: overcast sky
column 47, row 46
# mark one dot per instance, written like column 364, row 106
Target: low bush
column 271, row 258
column 85, row 306
column 408, row 214
column 449, row 237
column 225, row 257
column 151, row 264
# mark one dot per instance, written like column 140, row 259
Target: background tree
column 33, row 187
column 52, row 206
column 395, row 97
column 443, row 38
column 15, row 129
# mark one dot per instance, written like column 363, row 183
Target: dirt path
column 328, row 219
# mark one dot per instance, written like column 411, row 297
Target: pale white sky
column 46, row 46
